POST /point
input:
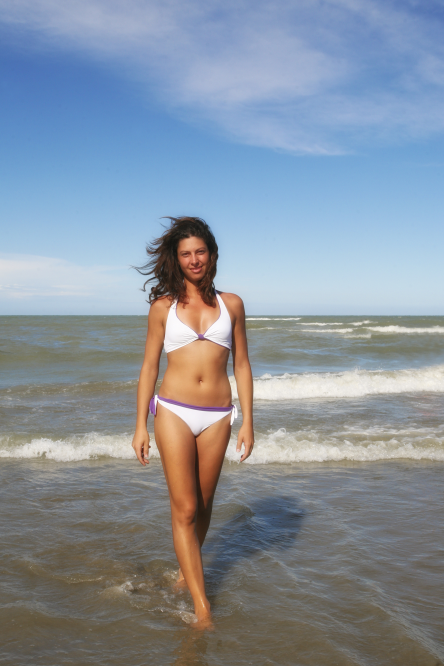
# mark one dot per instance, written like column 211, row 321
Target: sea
column 326, row 546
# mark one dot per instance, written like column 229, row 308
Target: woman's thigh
column 177, row 448
column 211, row 447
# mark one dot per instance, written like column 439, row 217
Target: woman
column 193, row 413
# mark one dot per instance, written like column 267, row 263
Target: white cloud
column 310, row 76
column 32, row 284
column 25, row 276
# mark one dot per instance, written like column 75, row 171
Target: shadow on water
column 267, row 524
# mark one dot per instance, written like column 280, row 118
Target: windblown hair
column 163, row 266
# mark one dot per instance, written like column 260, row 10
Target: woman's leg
column 177, row 447
column 211, row 447
column 192, row 467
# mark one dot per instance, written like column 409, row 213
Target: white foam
column 272, row 318
column 350, row 384
column 328, row 330
column 83, row 447
column 321, row 323
column 364, row 446
column 359, row 335
column 360, row 323
column 405, row 329
column 276, row 447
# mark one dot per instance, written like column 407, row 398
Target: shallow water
column 325, row 548
column 325, row 564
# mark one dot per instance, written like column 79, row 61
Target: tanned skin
column 196, row 375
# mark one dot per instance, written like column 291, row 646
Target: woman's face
column 193, row 256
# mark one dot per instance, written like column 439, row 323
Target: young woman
column 193, row 412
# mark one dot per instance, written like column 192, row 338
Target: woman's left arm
column 243, row 376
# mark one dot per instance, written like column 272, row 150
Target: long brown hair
column 163, row 266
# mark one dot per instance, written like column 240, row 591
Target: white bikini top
column 178, row 334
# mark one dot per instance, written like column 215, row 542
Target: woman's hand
column 141, row 445
column 245, row 437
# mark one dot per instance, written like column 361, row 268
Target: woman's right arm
column 148, row 377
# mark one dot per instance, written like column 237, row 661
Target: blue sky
column 310, row 135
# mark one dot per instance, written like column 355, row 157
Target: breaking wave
column 71, row 449
column 321, row 323
column 327, row 330
column 349, row 384
column 281, row 447
column 361, row 446
column 406, row 329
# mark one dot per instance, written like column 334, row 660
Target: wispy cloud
column 309, row 76
column 25, row 277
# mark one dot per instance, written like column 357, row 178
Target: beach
column 325, row 548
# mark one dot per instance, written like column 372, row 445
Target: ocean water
column 326, row 545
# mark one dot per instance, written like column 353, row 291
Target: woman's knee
column 185, row 513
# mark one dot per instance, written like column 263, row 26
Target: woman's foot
column 204, row 620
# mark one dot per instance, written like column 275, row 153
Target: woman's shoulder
column 162, row 303
column 160, row 307
column 232, row 301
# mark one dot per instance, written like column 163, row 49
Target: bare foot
column 203, row 615
column 204, row 622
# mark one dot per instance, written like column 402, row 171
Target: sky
column 309, row 135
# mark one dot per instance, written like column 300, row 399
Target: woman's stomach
column 197, row 375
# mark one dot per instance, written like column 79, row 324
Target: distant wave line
column 348, row 384
column 406, row 329
column 289, row 386
column 321, row 323
column 281, row 446
column 433, row 330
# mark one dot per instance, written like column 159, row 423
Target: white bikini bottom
column 197, row 418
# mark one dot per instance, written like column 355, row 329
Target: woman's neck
column 192, row 290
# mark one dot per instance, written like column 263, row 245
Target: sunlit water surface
column 326, row 548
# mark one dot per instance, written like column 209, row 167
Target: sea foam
column 326, row 330
column 366, row 446
column 71, row 449
column 430, row 330
column 280, row 446
column 321, row 323
column 349, row 384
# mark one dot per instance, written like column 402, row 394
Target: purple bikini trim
column 182, row 404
